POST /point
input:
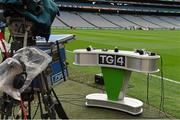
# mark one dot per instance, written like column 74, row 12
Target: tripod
column 46, row 96
column 49, row 103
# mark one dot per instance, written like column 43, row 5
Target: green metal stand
column 113, row 79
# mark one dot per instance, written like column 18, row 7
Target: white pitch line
column 167, row 79
column 156, row 76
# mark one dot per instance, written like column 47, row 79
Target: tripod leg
column 46, row 98
column 40, row 104
column 3, row 107
column 29, row 110
column 6, row 107
column 49, row 105
column 58, row 107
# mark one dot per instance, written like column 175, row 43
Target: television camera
column 27, row 19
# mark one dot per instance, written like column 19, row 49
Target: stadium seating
column 171, row 20
column 160, row 22
column 98, row 21
column 114, row 21
column 119, row 21
column 141, row 22
column 58, row 23
column 74, row 20
column 177, row 18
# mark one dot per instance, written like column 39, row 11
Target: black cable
column 86, row 84
column 148, row 79
column 66, row 101
column 74, row 100
column 40, row 104
column 161, row 106
column 36, row 111
column 71, row 96
column 14, row 116
column 147, row 92
column 9, row 38
column 59, row 108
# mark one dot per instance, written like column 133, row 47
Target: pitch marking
column 167, row 79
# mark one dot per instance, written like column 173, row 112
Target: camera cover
column 35, row 61
column 40, row 12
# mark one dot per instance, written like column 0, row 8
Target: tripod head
column 40, row 13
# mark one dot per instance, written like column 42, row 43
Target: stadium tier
column 114, row 21
column 74, row 20
column 124, row 14
column 58, row 23
column 119, row 20
column 97, row 20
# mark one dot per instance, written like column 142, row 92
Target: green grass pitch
column 163, row 42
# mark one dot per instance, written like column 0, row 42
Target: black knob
column 141, row 52
column 116, row 49
column 152, row 54
column 89, row 48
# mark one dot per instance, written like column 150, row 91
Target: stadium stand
column 119, row 21
column 58, row 23
column 162, row 23
column 96, row 20
column 170, row 20
column 73, row 20
column 141, row 22
column 118, row 15
column 92, row 20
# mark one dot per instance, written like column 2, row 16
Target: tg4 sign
column 108, row 59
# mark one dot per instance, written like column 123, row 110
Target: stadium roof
column 170, row 3
column 162, row 2
column 148, row 1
